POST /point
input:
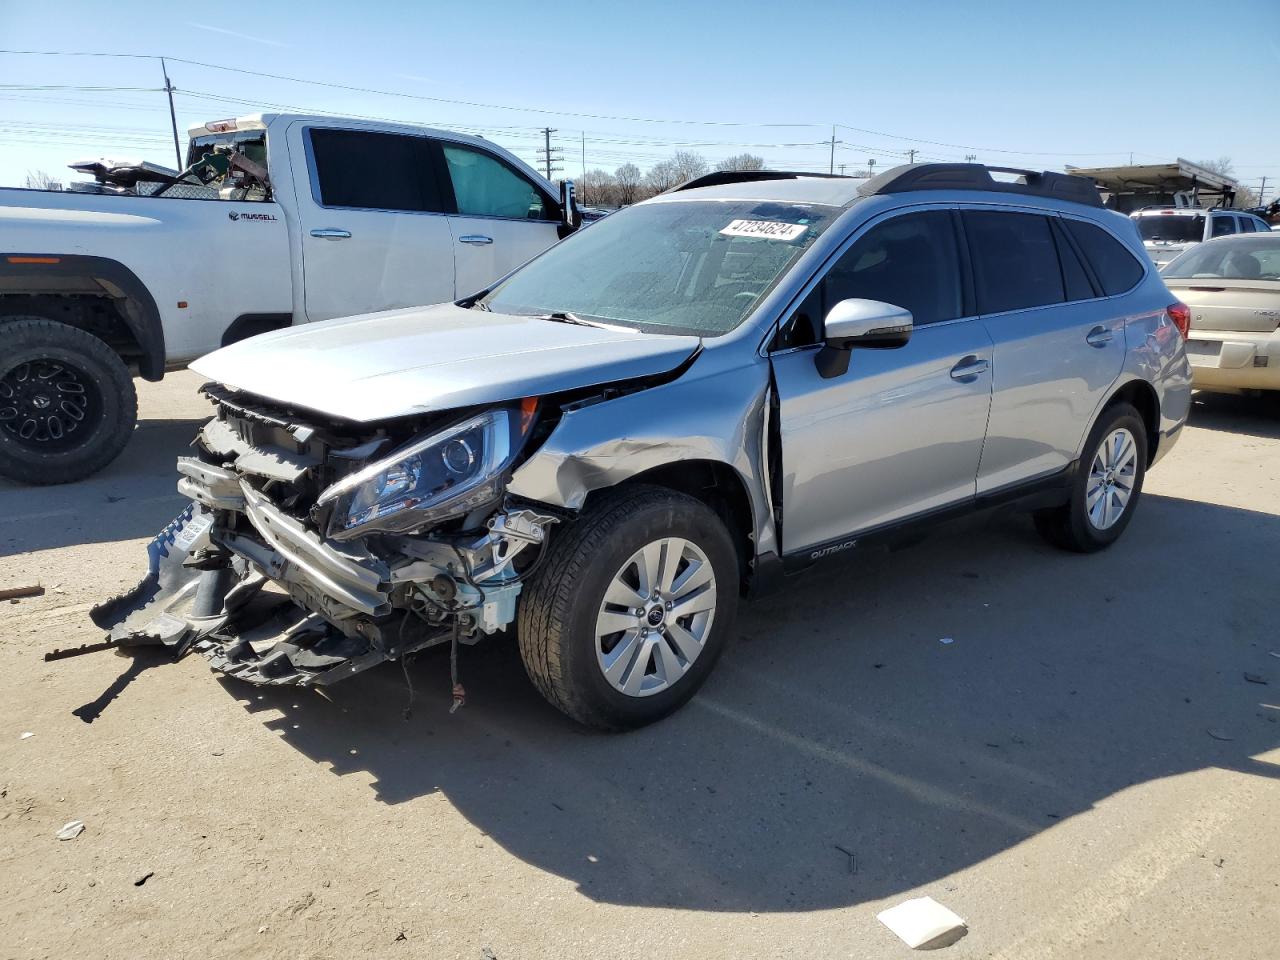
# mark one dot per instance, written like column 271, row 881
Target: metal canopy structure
column 1180, row 183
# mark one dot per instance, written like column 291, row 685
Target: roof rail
column 720, row 177
column 976, row 176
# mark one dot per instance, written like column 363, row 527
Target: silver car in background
column 686, row 403
column 1168, row 232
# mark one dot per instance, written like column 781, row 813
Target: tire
column 1074, row 526
column 562, row 608
column 67, row 402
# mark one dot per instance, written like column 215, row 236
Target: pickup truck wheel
column 1107, row 486
column 67, row 402
column 630, row 608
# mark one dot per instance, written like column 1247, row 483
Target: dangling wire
column 459, row 693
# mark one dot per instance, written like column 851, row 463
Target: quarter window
column 486, row 187
column 1015, row 263
column 1116, row 268
column 379, row 171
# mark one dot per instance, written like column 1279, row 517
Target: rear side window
column 379, row 171
column 1246, row 225
column 1015, row 262
column 484, row 186
column 1116, row 268
column 1222, row 226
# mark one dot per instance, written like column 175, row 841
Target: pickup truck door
column 503, row 218
column 900, row 432
column 372, row 220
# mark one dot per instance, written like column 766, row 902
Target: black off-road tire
column 110, row 415
column 1068, row 526
column 558, row 608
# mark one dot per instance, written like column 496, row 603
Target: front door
column 900, row 433
column 374, row 232
column 503, row 219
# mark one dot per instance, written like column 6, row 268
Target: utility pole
column 549, row 157
column 871, row 167
column 1262, row 191
column 970, row 158
column 842, row 166
column 173, row 117
column 831, row 167
column 911, row 155
column 584, row 166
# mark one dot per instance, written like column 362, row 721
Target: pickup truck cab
column 279, row 219
column 1168, row 232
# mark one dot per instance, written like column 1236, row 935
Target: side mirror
column 860, row 323
column 570, row 215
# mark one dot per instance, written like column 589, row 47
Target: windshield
column 1242, row 259
column 695, row 266
column 1172, row 227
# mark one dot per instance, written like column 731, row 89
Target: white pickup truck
column 279, row 219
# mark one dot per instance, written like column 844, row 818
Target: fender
column 62, row 274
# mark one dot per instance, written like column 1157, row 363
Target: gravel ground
column 1084, row 772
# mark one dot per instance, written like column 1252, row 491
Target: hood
column 404, row 362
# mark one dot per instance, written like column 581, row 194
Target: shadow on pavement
column 133, row 497
column 1232, row 413
column 839, row 722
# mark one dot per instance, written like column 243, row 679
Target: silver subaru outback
column 678, row 406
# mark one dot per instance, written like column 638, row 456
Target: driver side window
column 910, row 261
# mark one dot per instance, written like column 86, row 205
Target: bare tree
column 687, row 165
column 39, row 180
column 1223, row 166
column 662, row 176
column 598, row 188
column 627, row 179
column 741, row 161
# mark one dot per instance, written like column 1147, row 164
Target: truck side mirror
column 570, row 215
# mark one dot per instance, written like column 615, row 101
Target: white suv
column 1168, row 231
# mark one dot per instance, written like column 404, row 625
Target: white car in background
column 279, row 219
column 1169, row 231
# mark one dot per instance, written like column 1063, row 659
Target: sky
column 1026, row 84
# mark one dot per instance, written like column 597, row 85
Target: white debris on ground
column 71, row 830
column 26, row 735
column 923, row 923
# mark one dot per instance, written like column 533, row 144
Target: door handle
column 475, row 238
column 1098, row 337
column 330, row 233
column 967, row 370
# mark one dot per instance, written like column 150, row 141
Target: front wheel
column 1105, row 491
column 630, row 608
column 67, row 402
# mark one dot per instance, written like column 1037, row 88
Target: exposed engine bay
column 313, row 550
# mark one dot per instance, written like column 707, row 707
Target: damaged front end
column 315, row 549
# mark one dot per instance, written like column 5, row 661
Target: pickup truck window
column 485, row 187
column 1172, row 227
column 376, row 171
column 1223, row 225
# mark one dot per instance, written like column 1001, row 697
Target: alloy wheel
column 48, row 404
column 1111, row 479
column 655, row 617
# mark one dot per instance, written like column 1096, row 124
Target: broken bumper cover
column 281, row 607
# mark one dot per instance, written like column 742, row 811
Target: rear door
column 501, row 217
column 1058, row 345
column 900, row 432
column 371, row 212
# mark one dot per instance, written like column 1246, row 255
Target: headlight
column 444, row 475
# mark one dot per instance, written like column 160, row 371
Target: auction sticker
column 765, row 229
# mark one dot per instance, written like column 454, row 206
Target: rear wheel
column 67, row 402
column 630, row 608
column 1106, row 489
